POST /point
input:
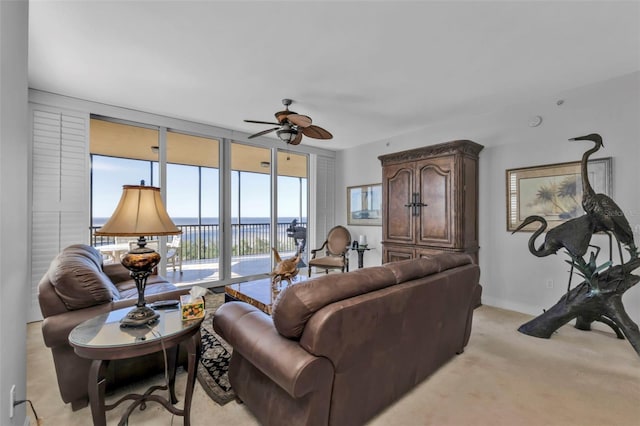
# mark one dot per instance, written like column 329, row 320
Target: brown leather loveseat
column 77, row 287
column 340, row 348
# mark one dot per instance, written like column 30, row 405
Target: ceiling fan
column 291, row 126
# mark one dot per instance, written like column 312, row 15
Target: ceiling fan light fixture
column 287, row 134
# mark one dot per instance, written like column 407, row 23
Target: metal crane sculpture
column 573, row 235
column 609, row 217
column 599, row 296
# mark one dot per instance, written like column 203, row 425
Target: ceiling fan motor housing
column 281, row 116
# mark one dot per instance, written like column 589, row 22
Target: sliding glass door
column 193, row 204
column 250, row 210
column 292, row 178
column 120, row 155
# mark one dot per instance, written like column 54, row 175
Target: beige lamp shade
column 140, row 212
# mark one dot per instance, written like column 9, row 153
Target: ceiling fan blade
column 316, row 132
column 264, row 132
column 261, row 122
column 297, row 139
column 299, row 120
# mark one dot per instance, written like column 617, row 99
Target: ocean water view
column 249, row 236
column 99, row 221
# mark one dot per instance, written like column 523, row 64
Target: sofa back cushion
column 297, row 303
column 406, row 270
column 77, row 278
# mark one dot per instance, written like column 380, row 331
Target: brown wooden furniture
column 101, row 339
column 259, row 293
column 430, row 201
column 360, row 249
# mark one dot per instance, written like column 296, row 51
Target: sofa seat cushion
column 335, row 261
column 126, row 285
column 77, row 277
column 297, row 303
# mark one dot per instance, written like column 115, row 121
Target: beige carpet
column 503, row 378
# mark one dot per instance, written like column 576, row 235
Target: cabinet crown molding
column 465, row 147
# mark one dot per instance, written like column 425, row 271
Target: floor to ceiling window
column 193, row 204
column 292, row 175
column 120, row 155
column 126, row 154
column 250, row 210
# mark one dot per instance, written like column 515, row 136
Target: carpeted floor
column 503, row 378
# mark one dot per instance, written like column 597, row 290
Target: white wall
column 513, row 278
column 14, row 287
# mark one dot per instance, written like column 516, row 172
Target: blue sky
column 110, row 174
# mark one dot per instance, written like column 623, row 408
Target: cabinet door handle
column 416, row 204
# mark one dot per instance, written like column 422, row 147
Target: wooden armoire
column 430, row 201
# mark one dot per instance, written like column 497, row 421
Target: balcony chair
column 336, row 247
column 174, row 253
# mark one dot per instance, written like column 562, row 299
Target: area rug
column 216, row 353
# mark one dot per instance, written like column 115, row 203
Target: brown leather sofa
column 77, row 287
column 340, row 348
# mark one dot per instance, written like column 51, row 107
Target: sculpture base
column 588, row 305
column 139, row 316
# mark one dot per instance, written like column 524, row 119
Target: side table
column 360, row 250
column 101, row 339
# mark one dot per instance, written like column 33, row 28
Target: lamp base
column 139, row 317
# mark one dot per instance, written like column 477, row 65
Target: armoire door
column 436, row 182
column 397, row 189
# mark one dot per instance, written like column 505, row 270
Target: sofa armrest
column 56, row 328
column 251, row 332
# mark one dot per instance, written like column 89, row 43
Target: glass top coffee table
column 101, row 339
column 259, row 293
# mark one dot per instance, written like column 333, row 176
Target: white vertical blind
column 325, row 197
column 59, row 188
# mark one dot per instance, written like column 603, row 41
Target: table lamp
column 139, row 213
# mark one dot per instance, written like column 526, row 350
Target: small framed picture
column 364, row 205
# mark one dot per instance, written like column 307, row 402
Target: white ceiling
column 365, row 71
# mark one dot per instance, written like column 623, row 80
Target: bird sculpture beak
column 591, row 137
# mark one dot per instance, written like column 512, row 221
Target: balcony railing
column 201, row 242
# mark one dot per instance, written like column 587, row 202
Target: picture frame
column 364, row 205
column 553, row 191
